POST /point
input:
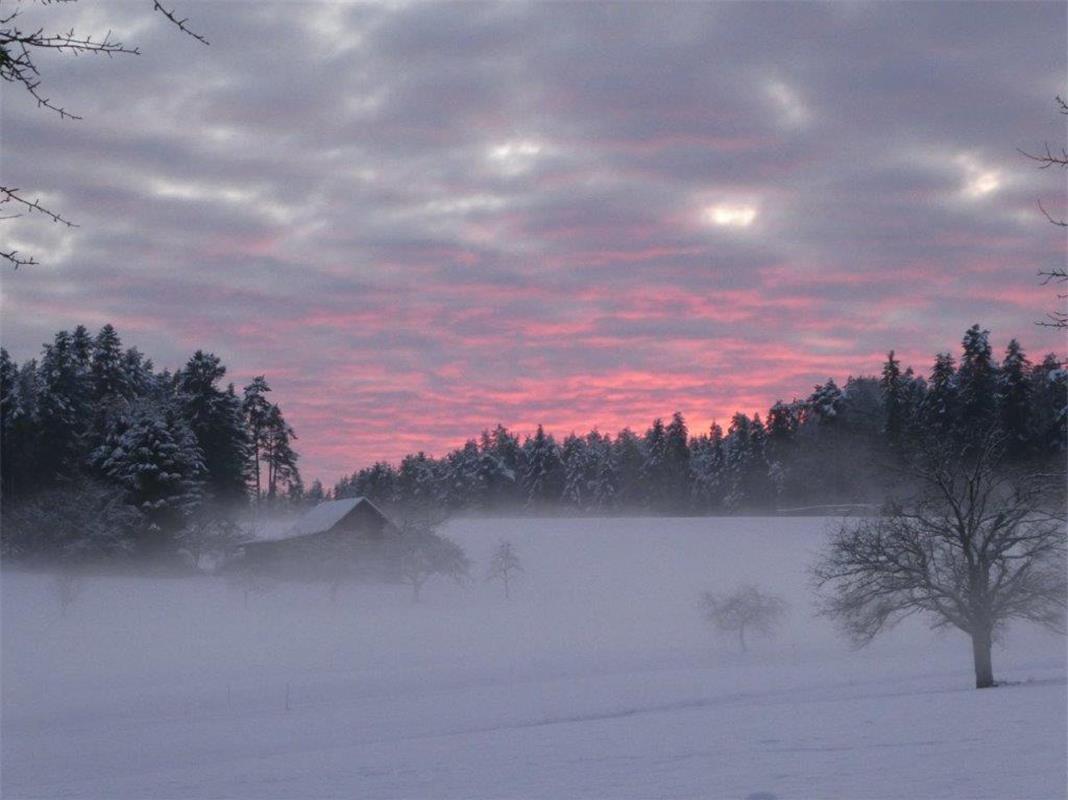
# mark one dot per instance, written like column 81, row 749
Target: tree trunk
column 256, row 462
column 507, row 593
column 984, row 668
column 741, row 638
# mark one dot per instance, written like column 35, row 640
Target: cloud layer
column 421, row 219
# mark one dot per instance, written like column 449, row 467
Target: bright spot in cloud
column 515, row 157
column 729, row 215
column 979, row 181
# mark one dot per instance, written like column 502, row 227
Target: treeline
column 102, row 454
column 833, row 447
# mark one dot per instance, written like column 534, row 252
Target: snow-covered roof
column 321, row 518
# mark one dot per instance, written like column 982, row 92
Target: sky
column 419, row 220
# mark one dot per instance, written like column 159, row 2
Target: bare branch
column 8, row 195
column 13, row 258
column 181, row 23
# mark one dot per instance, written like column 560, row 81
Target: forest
column 103, row 455
column 837, row 446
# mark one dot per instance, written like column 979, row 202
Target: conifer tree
column 216, row 419
column 628, row 456
column 1050, row 392
column 256, row 408
column 676, row 465
column 894, row 412
column 154, row 458
column 654, row 466
column 603, row 471
column 707, row 470
column 574, row 457
column 315, row 493
column 82, row 347
column 941, row 403
column 278, row 453
column 9, row 374
column 977, row 380
column 737, row 462
column 1014, row 389
column 543, row 475
column 63, row 410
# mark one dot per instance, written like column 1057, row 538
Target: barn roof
column 321, row 518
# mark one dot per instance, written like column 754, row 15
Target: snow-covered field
column 599, row 679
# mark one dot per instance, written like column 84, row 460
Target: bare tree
column 420, row 552
column 426, row 553
column 980, row 545
column 746, row 608
column 503, row 566
column 19, row 48
column 1058, row 158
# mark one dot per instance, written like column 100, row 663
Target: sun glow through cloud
column 515, row 157
column 979, row 180
column 730, row 215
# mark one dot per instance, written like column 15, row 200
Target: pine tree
column 505, row 469
column 1014, row 390
column 825, row 403
column 676, row 465
column 257, row 409
column 707, row 469
column 941, row 405
column 465, row 477
column 824, row 412
column 628, row 456
column 654, row 466
column 1050, row 392
column 63, row 410
column 603, row 471
column 153, row 457
column 977, row 380
column 21, row 452
column 278, row 454
column 138, row 372
column 315, row 493
column 894, row 412
column 216, row 419
column 574, row 457
column 738, row 458
column 543, row 476
column 9, row 374
column 419, row 481
column 108, row 368
column 82, row 347
column 759, row 485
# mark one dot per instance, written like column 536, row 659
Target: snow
column 322, row 517
column 599, row 679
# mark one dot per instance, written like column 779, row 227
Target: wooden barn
column 336, row 539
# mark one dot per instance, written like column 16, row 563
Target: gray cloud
column 436, row 216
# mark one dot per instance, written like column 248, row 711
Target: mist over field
column 600, row 677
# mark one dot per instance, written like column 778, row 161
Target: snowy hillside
column 598, row 679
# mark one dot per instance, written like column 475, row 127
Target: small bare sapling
column 743, row 610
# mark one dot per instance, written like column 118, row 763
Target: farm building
column 337, row 538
